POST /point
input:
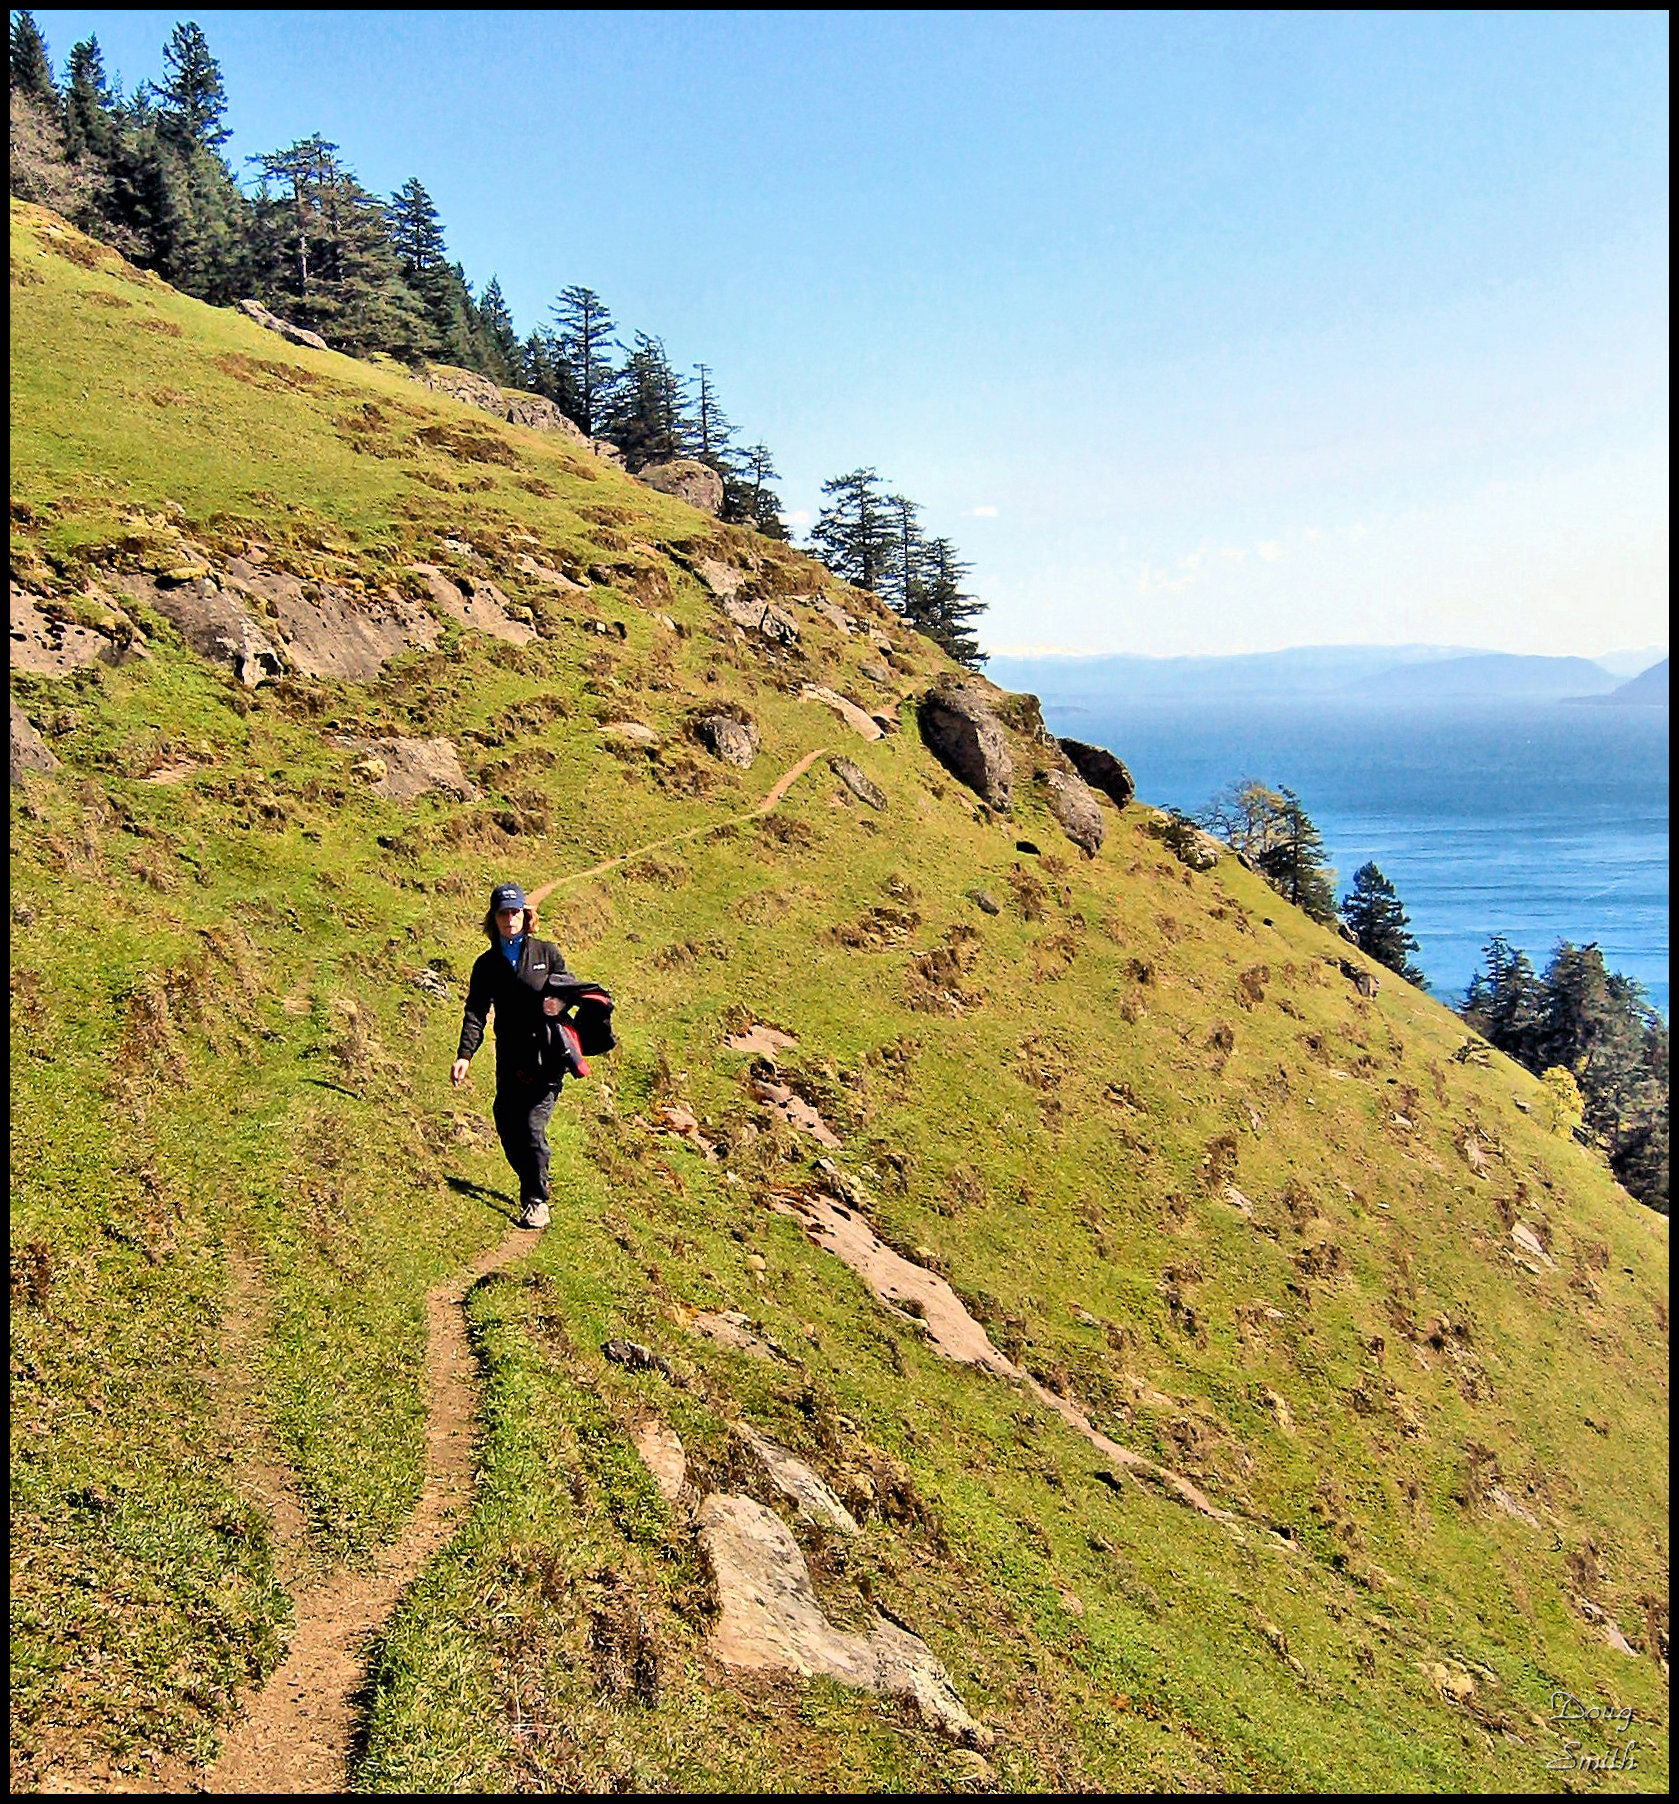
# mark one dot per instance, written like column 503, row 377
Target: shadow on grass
column 326, row 1083
column 496, row 1200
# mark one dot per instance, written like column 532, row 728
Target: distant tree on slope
column 31, row 65
column 943, row 610
column 90, row 106
column 855, row 534
column 585, row 345
column 192, row 101
column 1294, row 863
column 1373, row 911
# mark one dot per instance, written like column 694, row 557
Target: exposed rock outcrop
column 1101, row 770
column 330, row 632
column 271, row 322
column 688, row 480
column 763, row 617
column 808, row 1494
column 29, row 750
column 401, row 769
column 471, row 602
column 734, row 741
column 1076, row 808
column 511, row 404
column 51, row 646
column 961, row 731
column 213, row 624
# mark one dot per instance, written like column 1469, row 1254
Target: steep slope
column 1272, row 1237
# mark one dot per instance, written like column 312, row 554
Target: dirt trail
column 297, row 1734
column 537, row 896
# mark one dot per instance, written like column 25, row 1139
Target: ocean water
column 1538, row 820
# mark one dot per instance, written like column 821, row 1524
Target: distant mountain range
column 1646, row 690
column 1372, row 672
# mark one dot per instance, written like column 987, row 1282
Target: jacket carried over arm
column 515, row 996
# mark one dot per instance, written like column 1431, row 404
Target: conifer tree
column 748, row 500
column 712, row 427
column 945, row 607
column 1503, row 1002
column 192, row 100
column 1294, row 864
column 90, row 107
column 327, row 251
column 500, row 341
column 437, row 284
column 902, row 584
column 1373, row 911
column 854, row 533
column 585, row 337
column 649, row 419
column 31, row 65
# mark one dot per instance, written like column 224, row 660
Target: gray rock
column 1076, row 808
column 770, row 1621
column 798, row 1484
column 734, row 741
column 331, row 632
column 1101, row 770
column 214, row 625
column 511, row 404
column 688, row 480
column 984, row 901
column 776, row 624
column 297, row 335
column 407, row 768
column 29, row 751
column 859, row 785
column 960, row 730
column 876, row 672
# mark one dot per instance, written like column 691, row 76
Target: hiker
column 518, row 977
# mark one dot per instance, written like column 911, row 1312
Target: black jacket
column 516, row 997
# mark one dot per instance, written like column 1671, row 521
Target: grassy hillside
column 237, row 1166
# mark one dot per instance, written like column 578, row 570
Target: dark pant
column 521, row 1115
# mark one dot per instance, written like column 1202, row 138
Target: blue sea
column 1539, row 820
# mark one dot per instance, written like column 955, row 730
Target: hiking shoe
column 535, row 1215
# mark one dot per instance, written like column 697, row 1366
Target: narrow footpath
column 299, row 1729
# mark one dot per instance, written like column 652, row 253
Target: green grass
column 219, row 1054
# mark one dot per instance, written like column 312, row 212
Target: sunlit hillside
column 1372, row 1359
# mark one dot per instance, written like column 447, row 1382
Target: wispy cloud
column 1269, row 549
column 983, row 513
column 800, row 516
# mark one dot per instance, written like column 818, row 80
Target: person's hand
column 457, row 1073
column 551, row 1005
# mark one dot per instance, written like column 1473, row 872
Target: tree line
column 1588, row 1031
column 1597, row 1025
column 147, row 173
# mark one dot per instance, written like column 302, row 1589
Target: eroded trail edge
column 297, row 1734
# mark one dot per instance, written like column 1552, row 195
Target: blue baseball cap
column 506, row 895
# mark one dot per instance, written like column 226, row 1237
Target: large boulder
column 734, row 741
column 1101, row 770
column 960, row 730
column 29, row 751
column 331, row 632
column 1075, row 806
column 271, row 322
column 688, row 480
column 775, row 624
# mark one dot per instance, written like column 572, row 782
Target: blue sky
column 1199, row 333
